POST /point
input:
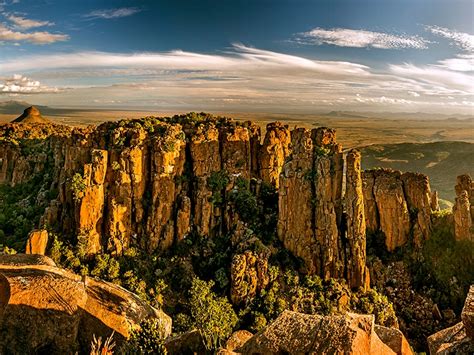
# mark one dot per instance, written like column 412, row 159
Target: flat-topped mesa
column 463, row 209
column 399, row 205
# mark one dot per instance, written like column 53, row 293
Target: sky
column 275, row 56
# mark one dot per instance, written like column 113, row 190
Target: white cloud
column 463, row 62
column 345, row 37
column 19, row 84
column 39, row 37
column 26, row 24
column 439, row 79
column 461, row 39
column 242, row 78
column 112, row 13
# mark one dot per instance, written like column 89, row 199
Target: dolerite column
column 356, row 248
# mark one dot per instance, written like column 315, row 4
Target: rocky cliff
column 463, row 209
column 399, row 205
column 151, row 182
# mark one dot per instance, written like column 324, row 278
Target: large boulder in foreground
column 298, row 333
column 458, row 339
column 46, row 309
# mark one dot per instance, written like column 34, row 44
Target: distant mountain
column 344, row 114
column 13, row 107
column 31, row 115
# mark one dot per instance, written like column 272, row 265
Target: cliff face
column 463, row 209
column 151, row 182
column 399, row 205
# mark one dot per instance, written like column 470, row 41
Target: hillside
column 441, row 161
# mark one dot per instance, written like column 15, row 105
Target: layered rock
column 275, row 149
column 298, row 333
column 357, row 272
column 463, row 209
column 46, row 309
column 398, row 205
column 310, row 203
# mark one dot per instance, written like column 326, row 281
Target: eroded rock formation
column 463, row 209
column 46, row 309
column 151, row 182
column 399, row 205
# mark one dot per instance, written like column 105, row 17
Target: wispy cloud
column 461, row 39
column 345, row 37
column 19, row 84
column 112, row 13
column 243, row 77
column 25, row 23
column 38, row 37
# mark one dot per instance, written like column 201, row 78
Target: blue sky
column 266, row 56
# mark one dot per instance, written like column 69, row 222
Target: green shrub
column 78, row 186
column 148, row 339
column 217, row 182
column 213, row 316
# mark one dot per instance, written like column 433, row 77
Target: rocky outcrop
column 395, row 339
column 463, row 209
column 275, row 149
column 458, row 339
column 249, row 266
column 452, row 340
column 399, row 205
column 37, row 242
column 467, row 314
column 151, row 182
column 46, row 309
column 310, row 195
column 298, row 333
column 357, row 272
column 237, row 340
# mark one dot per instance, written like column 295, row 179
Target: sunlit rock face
column 463, row 209
column 399, row 205
column 149, row 183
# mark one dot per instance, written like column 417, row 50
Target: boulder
column 298, row 333
column 458, row 339
column 37, row 242
column 237, row 339
column 46, row 309
column 395, row 339
column 467, row 314
column 452, row 340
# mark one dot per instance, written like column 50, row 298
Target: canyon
column 152, row 184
